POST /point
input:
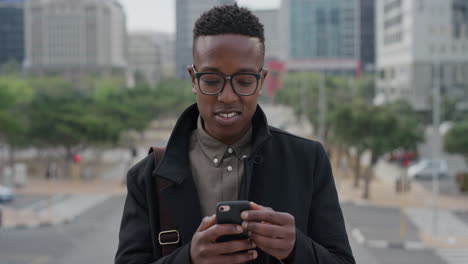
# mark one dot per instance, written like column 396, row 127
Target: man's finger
column 264, row 242
column 215, row 231
column 229, row 247
column 267, row 230
column 206, row 223
column 255, row 206
column 276, row 218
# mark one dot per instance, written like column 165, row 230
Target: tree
column 377, row 129
column 456, row 139
column 15, row 95
column 64, row 116
column 387, row 131
column 301, row 91
column 349, row 124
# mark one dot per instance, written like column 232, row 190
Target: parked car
column 6, row 194
column 425, row 169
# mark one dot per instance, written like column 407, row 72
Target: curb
column 40, row 224
column 384, row 244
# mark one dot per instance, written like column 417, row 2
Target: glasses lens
column 245, row 83
column 211, row 83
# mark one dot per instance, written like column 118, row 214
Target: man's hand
column 205, row 249
column 273, row 232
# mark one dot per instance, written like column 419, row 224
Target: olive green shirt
column 217, row 168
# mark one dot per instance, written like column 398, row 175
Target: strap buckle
column 168, row 242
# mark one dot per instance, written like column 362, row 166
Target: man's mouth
column 228, row 115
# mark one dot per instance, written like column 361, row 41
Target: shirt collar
column 216, row 150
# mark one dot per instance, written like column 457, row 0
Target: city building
column 75, row 35
column 187, row 12
column 144, row 56
column 367, row 39
column 270, row 18
column 324, row 35
column 419, row 43
column 11, row 31
column 166, row 43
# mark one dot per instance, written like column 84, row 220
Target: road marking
column 75, row 205
column 448, row 224
column 40, row 260
column 358, row 236
column 39, row 205
column 453, row 255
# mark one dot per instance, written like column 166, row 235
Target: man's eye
column 211, row 82
column 241, row 83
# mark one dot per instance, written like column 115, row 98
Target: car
column 6, row 194
column 425, row 169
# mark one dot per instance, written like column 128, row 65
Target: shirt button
column 230, row 150
column 229, row 168
column 215, row 160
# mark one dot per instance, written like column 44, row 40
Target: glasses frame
column 198, row 75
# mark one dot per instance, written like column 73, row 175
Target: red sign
column 77, row 158
column 275, row 76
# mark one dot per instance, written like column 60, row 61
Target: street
column 93, row 236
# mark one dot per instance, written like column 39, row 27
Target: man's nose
column 227, row 95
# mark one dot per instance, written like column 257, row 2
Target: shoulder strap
column 168, row 237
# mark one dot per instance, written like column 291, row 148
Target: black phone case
column 232, row 217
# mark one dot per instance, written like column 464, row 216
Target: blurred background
column 87, row 86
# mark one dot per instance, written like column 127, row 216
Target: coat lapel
column 183, row 202
column 181, row 195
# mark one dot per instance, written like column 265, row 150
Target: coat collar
column 182, row 197
column 175, row 165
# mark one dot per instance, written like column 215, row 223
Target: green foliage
column 15, row 95
column 379, row 129
column 449, row 109
column 52, row 111
column 456, row 139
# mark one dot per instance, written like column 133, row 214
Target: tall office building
column 270, row 18
column 418, row 41
column 166, row 43
column 75, row 35
column 187, row 12
column 324, row 35
column 367, row 38
column 11, row 31
column 144, row 56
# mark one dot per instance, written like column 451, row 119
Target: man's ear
column 264, row 76
column 192, row 78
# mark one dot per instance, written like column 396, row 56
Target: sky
column 159, row 15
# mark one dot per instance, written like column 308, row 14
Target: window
column 460, row 19
column 442, row 49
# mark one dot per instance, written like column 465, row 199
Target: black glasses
column 212, row 83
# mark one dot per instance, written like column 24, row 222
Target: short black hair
column 229, row 19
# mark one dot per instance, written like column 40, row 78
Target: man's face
column 227, row 116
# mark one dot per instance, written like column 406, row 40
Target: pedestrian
column 222, row 149
column 51, row 171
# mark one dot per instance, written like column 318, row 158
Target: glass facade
column 367, row 34
column 323, row 29
column 11, row 31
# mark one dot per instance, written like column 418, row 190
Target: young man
column 223, row 149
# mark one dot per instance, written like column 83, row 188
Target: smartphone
column 228, row 212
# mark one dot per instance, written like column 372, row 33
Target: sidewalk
column 80, row 197
column 418, row 204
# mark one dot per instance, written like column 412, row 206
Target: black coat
column 284, row 172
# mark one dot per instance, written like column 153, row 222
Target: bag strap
column 168, row 237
